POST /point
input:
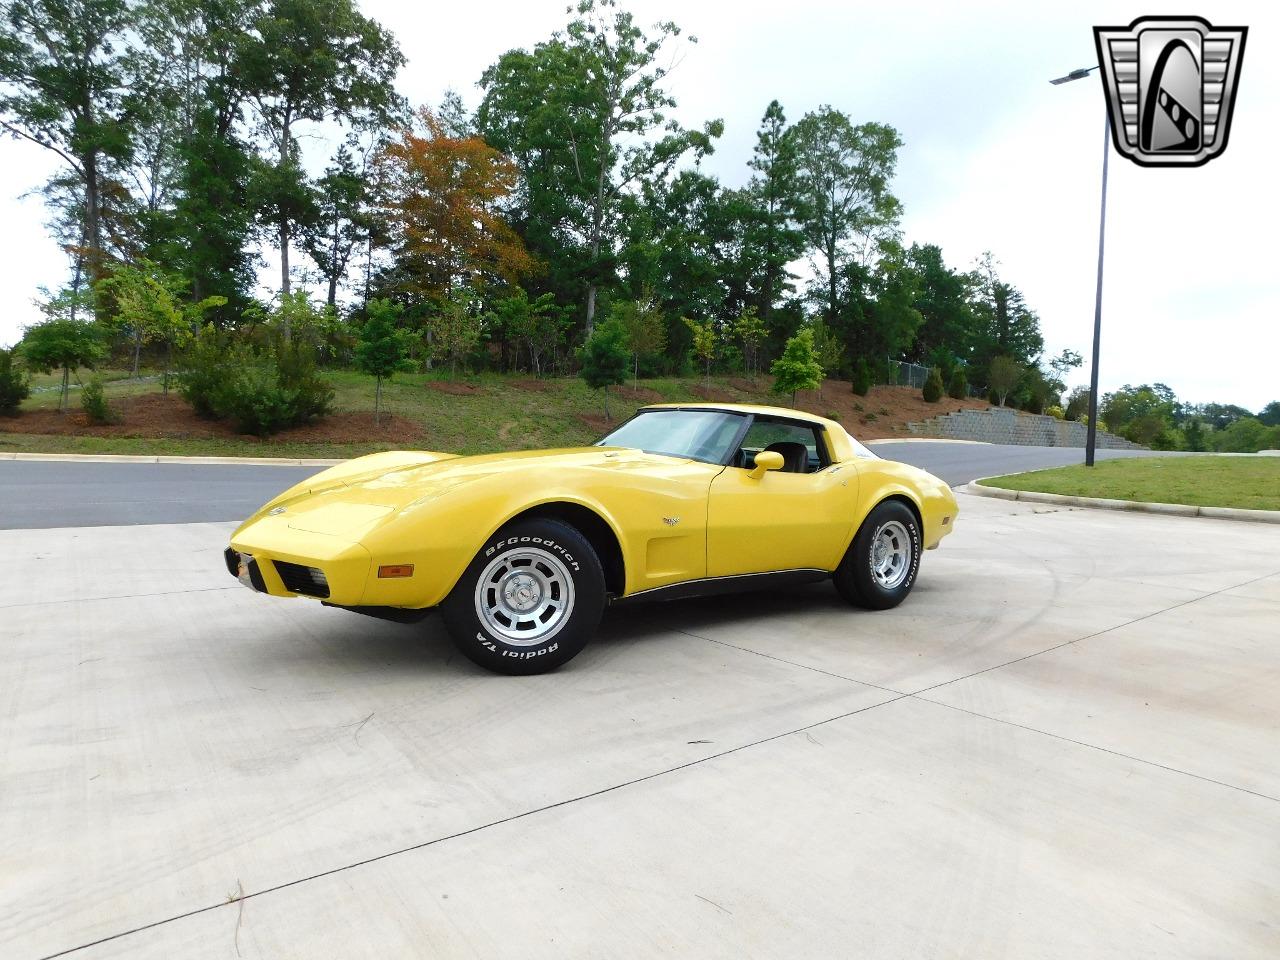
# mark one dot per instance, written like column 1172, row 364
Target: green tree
column 1222, row 415
column 1003, row 375
column 932, row 391
column 150, row 303
column 1077, row 407
column 797, row 368
column 880, row 318
column 1144, row 411
column 685, row 248
column 1003, row 323
column 1245, row 435
column 844, row 173
column 750, row 330
column 775, row 191
column 382, row 351
column 827, row 349
column 861, row 377
column 942, row 300
column 67, row 84
column 313, row 60
column 958, row 386
column 1193, row 435
column 604, row 359
column 14, row 384
column 646, row 332
column 585, row 115
column 342, row 218
column 197, row 152
column 705, row 343
column 539, row 325
column 455, row 329
column 62, row 343
column 1270, row 414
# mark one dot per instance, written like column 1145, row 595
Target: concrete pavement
column 1062, row 745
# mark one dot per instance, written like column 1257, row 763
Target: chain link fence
column 904, row 374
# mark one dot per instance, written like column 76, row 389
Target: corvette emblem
column 1171, row 87
column 670, row 521
column 275, row 511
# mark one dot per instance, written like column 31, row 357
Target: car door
column 800, row 517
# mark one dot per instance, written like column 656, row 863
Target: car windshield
column 705, row 435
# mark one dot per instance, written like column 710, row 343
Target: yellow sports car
column 522, row 551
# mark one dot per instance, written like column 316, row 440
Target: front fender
column 934, row 502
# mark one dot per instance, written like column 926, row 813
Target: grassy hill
column 423, row 411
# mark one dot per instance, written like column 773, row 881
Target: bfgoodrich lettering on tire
column 529, row 601
column 880, row 566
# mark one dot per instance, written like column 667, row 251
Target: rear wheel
column 529, row 601
column 880, row 566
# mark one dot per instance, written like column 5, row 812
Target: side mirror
column 767, row 460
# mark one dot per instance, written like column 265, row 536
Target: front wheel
column 880, row 566
column 529, row 601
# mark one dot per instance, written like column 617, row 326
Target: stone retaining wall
column 1003, row 425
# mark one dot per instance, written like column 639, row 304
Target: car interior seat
column 795, row 456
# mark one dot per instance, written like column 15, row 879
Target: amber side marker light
column 394, row 570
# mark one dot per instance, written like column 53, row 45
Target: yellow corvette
column 522, row 551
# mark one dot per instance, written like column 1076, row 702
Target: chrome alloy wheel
column 890, row 555
column 525, row 596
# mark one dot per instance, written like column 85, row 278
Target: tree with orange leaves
column 442, row 215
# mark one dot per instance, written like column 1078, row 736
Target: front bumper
column 270, row 557
column 297, row 579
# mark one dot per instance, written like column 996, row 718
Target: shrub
column 958, row 387
column 1078, row 404
column 14, row 387
column 1193, row 435
column 1002, row 376
column 261, row 391
column 1246, row 435
column 604, row 359
column 797, row 368
column 1055, row 411
column 861, row 377
column 933, row 386
column 93, row 401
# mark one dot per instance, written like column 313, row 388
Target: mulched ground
column 638, row 395
column 454, row 387
column 715, row 394
column 533, row 385
column 598, row 424
column 156, row 416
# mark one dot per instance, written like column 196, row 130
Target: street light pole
column 1091, row 439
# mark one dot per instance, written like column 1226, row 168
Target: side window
column 800, row 446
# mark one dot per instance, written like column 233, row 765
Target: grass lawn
column 476, row 414
column 1249, row 482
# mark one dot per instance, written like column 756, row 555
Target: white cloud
column 994, row 158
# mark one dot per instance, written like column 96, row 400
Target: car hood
column 355, row 496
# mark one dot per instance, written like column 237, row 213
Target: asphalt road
column 44, row 494
column 38, row 494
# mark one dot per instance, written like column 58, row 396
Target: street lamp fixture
column 1092, row 437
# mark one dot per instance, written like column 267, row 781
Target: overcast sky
column 994, row 157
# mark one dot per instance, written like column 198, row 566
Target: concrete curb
column 123, row 458
column 1101, row 503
